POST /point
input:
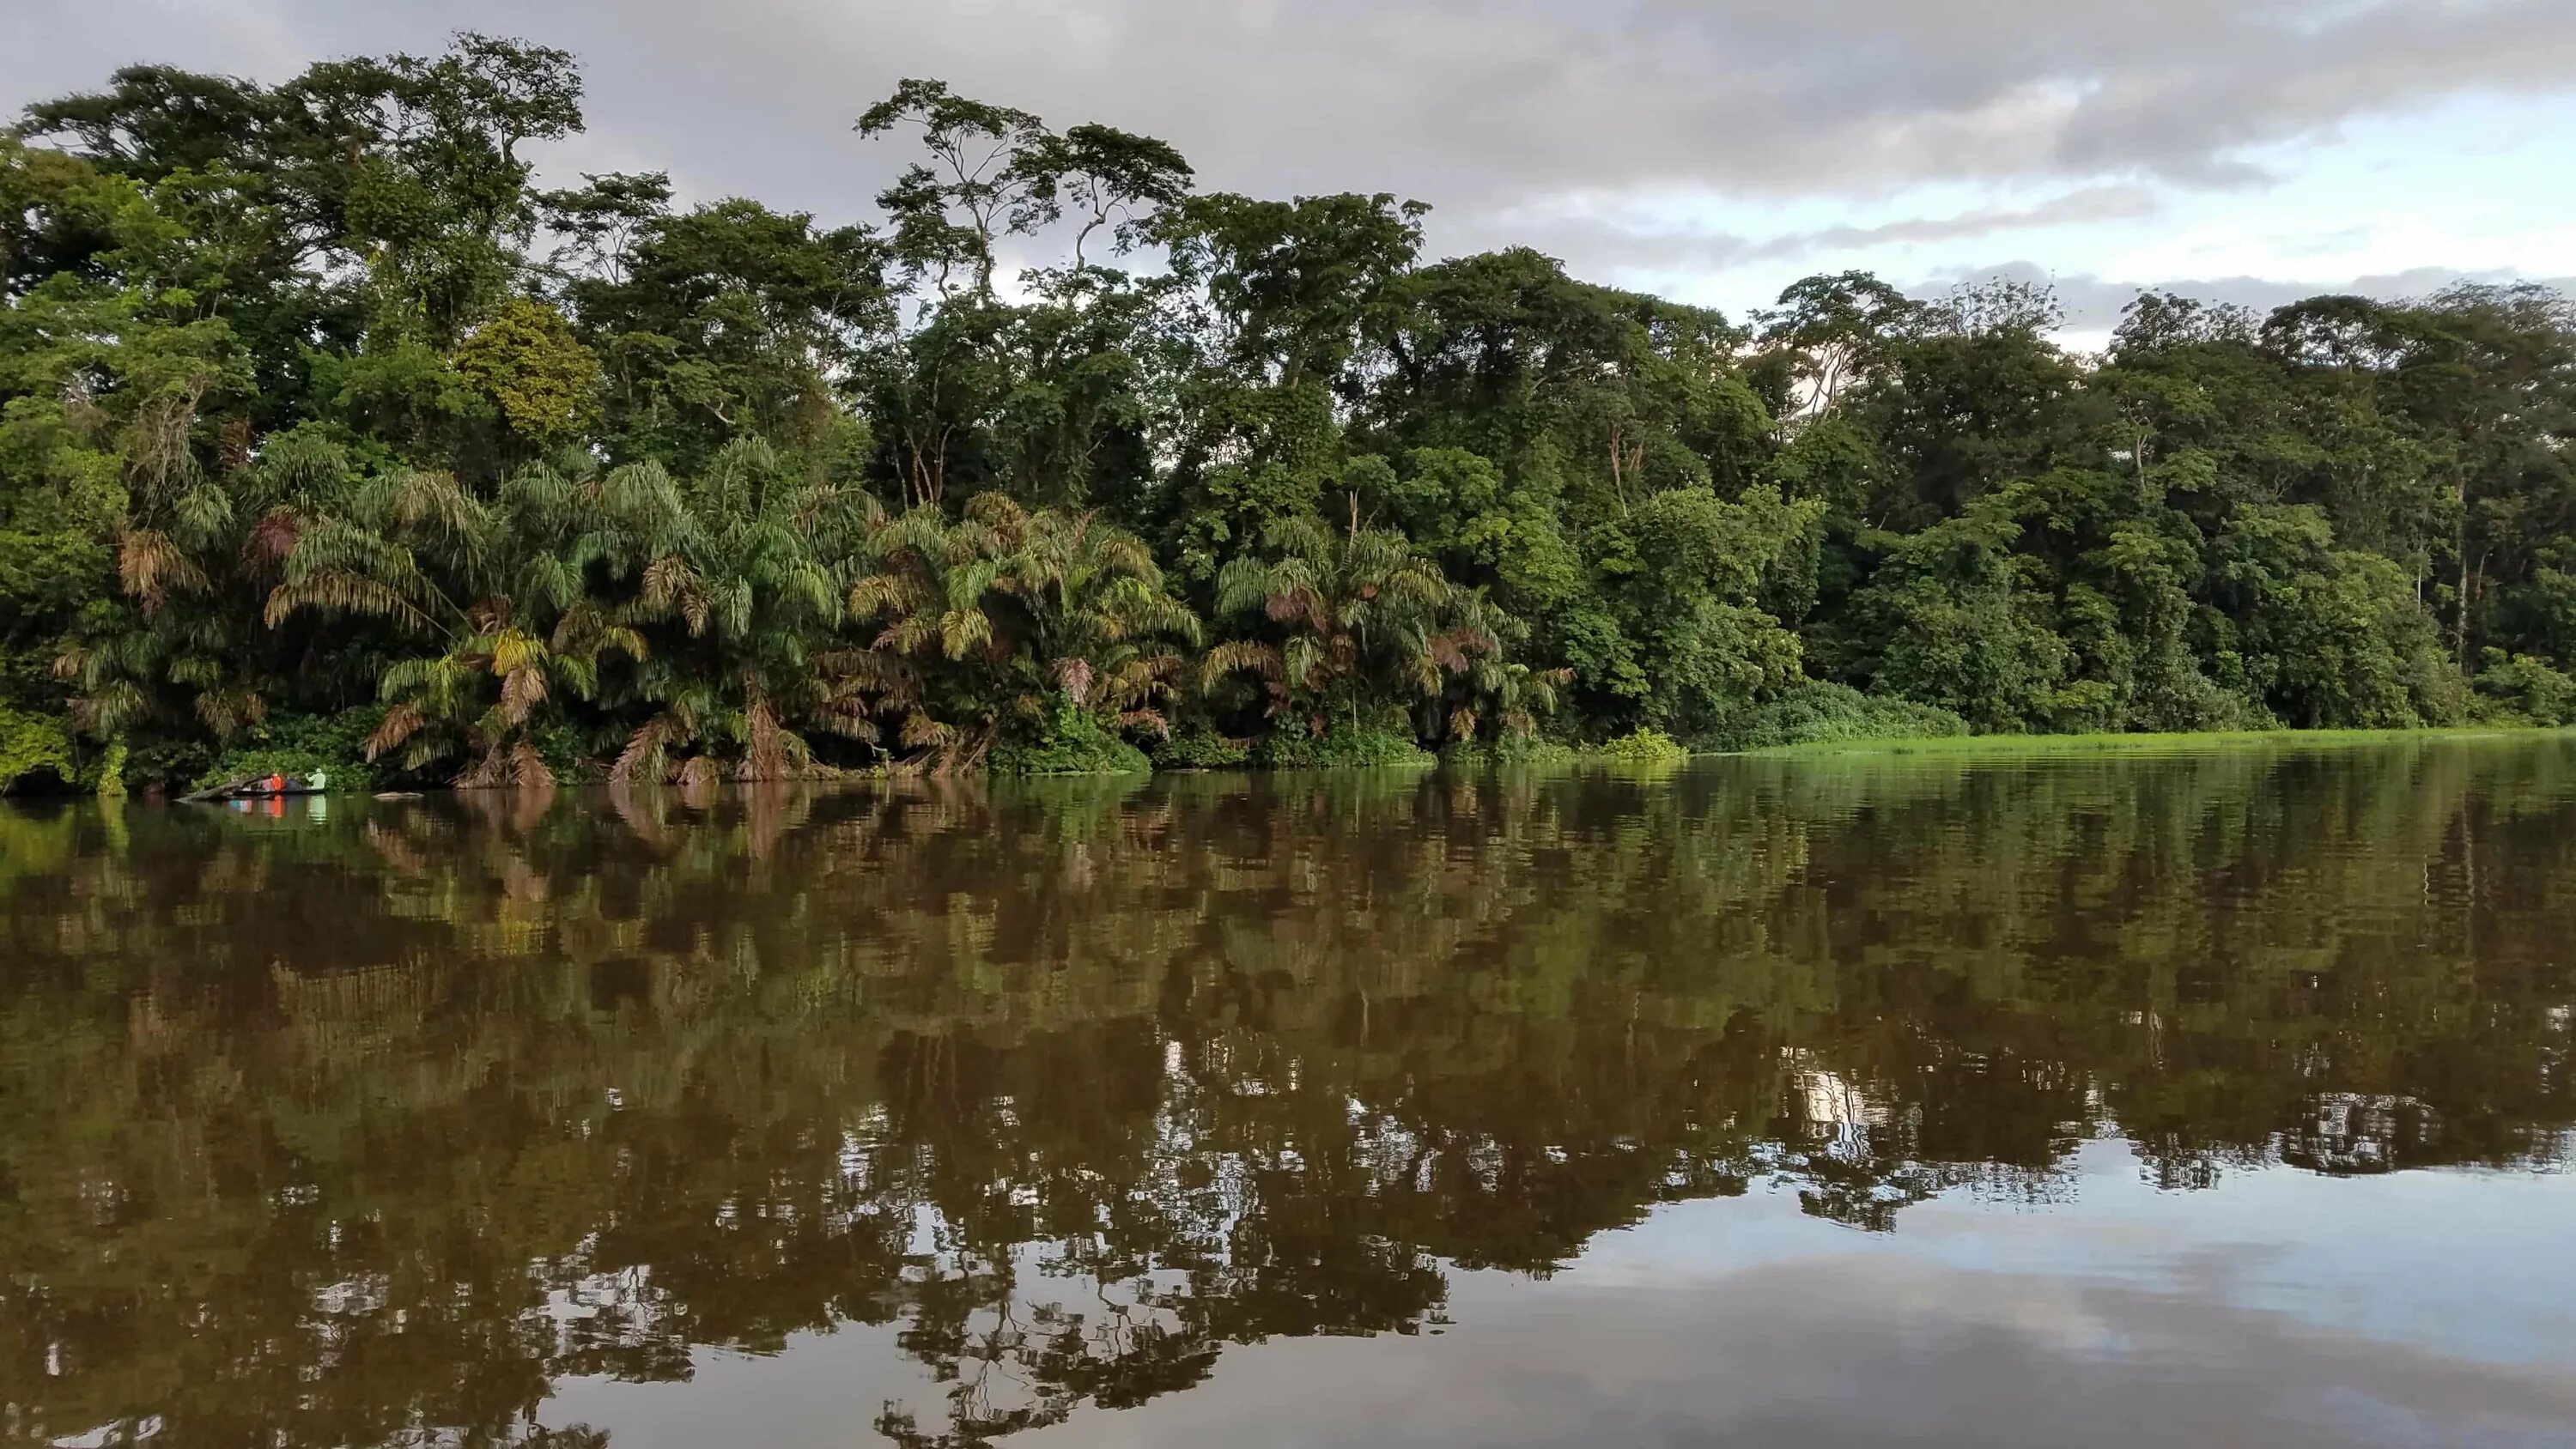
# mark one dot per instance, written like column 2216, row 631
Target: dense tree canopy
column 326, row 433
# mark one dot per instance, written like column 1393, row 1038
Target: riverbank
column 2086, row 744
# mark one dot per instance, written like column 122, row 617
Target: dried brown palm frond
column 349, row 592
column 528, row 769
column 671, row 586
column 150, row 567
column 862, row 674
column 233, row 445
column 879, row 594
column 771, row 751
column 272, row 540
column 400, row 723
column 112, row 707
column 157, row 454
column 920, row 731
column 998, row 512
column 77, row 662
column 646, row 757
column 1145, row 719
column 1074, row 676
column 489, row 770
column 907, row 635
column 522, row 690
column 1249, row 655
column 845, row 713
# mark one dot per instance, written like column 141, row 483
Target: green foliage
column 111, row 772
column 1645, row 749
column 1071, row 741
column 527, row 361
column 2525, row 690
column 1958, row 623
column 1822, row 711
column 299, row 745
column 1352, row 625
column 2330, row 638
column 1342, row 747
column 1198, row 747
column 1694, row 567
column 33, row 747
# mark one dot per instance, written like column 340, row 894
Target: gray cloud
column 1464, row 101
column 1608, row 244
column 1492, row 109
column 2094, row 203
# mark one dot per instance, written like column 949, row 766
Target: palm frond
column 150, row 567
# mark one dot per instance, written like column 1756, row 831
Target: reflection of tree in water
column 369, row 1129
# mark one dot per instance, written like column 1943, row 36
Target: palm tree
column 1494, row 690
column 413, row 543
column 1357, row 624
column 750, row 568
column 980, row 619
column 196, row 555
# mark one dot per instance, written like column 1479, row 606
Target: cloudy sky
column 1709, row 149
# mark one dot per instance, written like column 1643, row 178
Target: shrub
column 111, row 772
column 1647, row 747
column 33, row 744
column 1073, row 741
column 1341, row 748
column 299, row 745
column 2523, row 690
column 1200, row 748
column 1819, row 711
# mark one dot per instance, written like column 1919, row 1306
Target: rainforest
column 331, row 438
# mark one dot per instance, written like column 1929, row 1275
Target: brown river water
column 2218, row 1096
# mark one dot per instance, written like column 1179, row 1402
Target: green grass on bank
column 2108, row 744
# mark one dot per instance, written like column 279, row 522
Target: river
column 2208, row 1096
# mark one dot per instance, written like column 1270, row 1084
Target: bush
column 32, row 745
column 2523, row 690
column 111, row 772
column 573, row 755
column 1647, row 747
column 1341, row 748
column 1200, row 748
column 1818, row 711
column 299, row 745
column 2190, row 702
column 1074, row 741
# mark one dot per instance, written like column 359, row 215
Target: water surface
column 2209, row 1097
